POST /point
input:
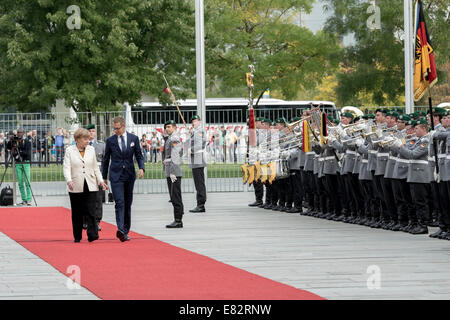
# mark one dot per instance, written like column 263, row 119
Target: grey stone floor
column 332, row 259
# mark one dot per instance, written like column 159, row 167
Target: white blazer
column 77, row 168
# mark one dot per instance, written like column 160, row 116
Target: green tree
column 120, row 51
column 374, row 65
column 287, row 57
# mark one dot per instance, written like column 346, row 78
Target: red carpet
column 143, row 268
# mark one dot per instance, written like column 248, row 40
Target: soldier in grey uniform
column 99, row 147
column 436, row 207
column 172, row 171
column 296, row 155
column 402, row 194
column 442, row 139
column 198, row 162
column 418, row 175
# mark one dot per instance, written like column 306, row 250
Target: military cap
column 195, row 117
column 371, row 116
column 414, row 123
column 399, row 110
column 385, row 110
column 281, row 120
column 357, row 119
column 365, row 116
column 259, row 119
column 422, row 121
column 296, row 119
column 438, row 111
column 273, row 123
column 336, row 121
column 267, row 120
column 394, row 114
column 169, row 122
column 348, row 115
column 404, row 117
column 90, row 126
column 422, row 113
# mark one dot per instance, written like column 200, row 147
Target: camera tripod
column 10, row 159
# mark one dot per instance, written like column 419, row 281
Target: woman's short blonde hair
column 81, row 133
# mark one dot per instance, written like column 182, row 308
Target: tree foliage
column 120, row 51
column 287, row 57
column 374, row 65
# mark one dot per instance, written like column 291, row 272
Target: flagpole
column 175, row 101
column 430, row 105
column 408, row 55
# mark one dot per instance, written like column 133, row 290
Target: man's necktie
column 90, row 143
column 123, row 144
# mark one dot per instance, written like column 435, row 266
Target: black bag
column 6, row 196
column 110, row 197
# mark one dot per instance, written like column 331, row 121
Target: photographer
column 20, row 149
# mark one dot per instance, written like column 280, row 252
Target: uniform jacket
column 443, row 137
column 417, row 154
column 173, row 152
column 198, row 144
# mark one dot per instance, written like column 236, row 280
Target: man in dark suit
column 119, row 150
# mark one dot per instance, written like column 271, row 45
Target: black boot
column 255, row 204
column 438, row 233
column 175, row 224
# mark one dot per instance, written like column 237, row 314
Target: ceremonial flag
column 425, row 75
column 306, row 137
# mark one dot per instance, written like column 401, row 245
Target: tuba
column 353, row 110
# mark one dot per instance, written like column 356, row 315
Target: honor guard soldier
column 197, row 163
column 442, row 139
column 99, row 147
column 418, row 175
column 172, row 171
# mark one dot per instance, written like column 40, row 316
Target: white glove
column 431, row 133
column 166, row 161
column 397, row 143
column 173, row 178
column 436, row 176
column 285, row 154
column 359, row 142
column 379, row 133
column 331, row 138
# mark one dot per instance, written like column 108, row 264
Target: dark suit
column 122, row 175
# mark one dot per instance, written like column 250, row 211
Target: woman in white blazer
column 83, row 178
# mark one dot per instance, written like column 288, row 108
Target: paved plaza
column 332, row 259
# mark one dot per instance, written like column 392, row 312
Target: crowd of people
column 386, row 170
column 224, row 144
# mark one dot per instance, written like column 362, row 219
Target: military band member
column 172, row 171
column 197, row 162
column 418, row 175
column 295, row 167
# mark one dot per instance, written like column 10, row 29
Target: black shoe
column 198, row 209
column 433, row 224
column 93, row 239
column 438, row 233
column 397, row 227
column 175, row 224
column 120, row 235
column 419, row 229
column 127, row 238
column 444, row 235
column 76, row 240
column 294, row 210
column 84, row 226
column 262, row 205
column 255, row 204
column 268, row 206
column 284, row 209
column 98, row 227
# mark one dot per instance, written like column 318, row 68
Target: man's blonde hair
column 119, row 119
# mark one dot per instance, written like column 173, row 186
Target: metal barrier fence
column 225, row 150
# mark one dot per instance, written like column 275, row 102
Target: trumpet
column 345, row 126
column 387, row 142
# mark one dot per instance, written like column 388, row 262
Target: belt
column 403, row 160
column 311, row 152
column 350, row 152
column 393, row 158
column 431, row 159
column 442, row 156
column 364, row 161
column 329, row 158
column 373, row 151
column 196, row 152
column 418, row 161
column 383, row 154
column 321, row 159
column 448, row 157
